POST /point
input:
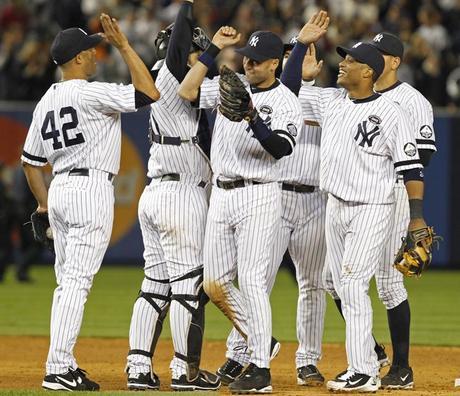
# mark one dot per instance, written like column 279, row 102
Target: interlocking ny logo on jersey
column 254, row 40
column 367, row 136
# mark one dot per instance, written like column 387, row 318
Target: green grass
column 25, row 309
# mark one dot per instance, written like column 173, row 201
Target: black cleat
column 381, row 355
column 252, row 380
column 204, row 381
column 229, row 371
column 354, row 382
column 398, row 378
column 143, row 381
column 309, row 376
column 275, row 347
column 73, row 380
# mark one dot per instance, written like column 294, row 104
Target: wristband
column 208, row 57
column 416, row 209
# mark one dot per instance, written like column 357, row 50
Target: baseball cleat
column 204, row 381
column 73, row 380
column 143, row 381
column 354, row 382
column 253, row 380
column 229, row 371
column 381, row 355
column 398, row 378
column 275, row 347
column 309, row 376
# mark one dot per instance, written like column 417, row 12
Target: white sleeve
column 209, row 93
column 33, row 152
column 168, row 85
column 314, row 101
column 288, row 119
column 110, row 98
column 422, row 115
column 402, row 144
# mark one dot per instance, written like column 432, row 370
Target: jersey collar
column 396, row 84
column 374, row 96
column 257, row 90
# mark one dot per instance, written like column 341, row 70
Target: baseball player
column 357, row 170
column 245, row 206
column 389, row 281
column 302, row 232
column 76, row 128
column 172, row 215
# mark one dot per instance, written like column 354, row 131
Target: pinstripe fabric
column 173, row 218
column 390, row 282
column 356, row 235
column 81, row 217
column 97, row 109
column 302, row 231
column 173, row 116
column 352, row 168
column 240, row 230
column 235, row 152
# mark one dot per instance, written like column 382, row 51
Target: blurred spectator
column 6, row 225
column 430, row 30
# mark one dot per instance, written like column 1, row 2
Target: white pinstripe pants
column 81, row 217
column 390, row 282
column 240, row 235
column 356, row 235
column 172, row 216
column 302, row 231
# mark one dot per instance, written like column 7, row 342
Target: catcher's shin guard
column 196, row 329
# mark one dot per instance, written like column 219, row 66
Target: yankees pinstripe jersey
column 363, row 143
column 302, row 166
column 77, row 124
column 175, row 117
column 419, row 109
column 235, row 152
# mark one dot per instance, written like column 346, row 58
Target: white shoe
column 354, row 382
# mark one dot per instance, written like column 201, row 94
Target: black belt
column 176, row 177
column 298, row 188
column 85, row 172
column 230, row 185
column 173, row 141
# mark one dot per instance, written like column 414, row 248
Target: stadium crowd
column 429, row 29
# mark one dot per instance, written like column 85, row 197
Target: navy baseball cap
column 365, row 53
column 290, row 45
column 262, row 45
column 69, row 43
column 389, row 44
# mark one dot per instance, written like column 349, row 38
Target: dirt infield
column 435, row 368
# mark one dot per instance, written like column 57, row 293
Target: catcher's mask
column 200, row 41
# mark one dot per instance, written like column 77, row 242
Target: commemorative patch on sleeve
column 292, row 129
column 410, row 149
column 426, row 131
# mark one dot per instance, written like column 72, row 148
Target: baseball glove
column 41, row 229
column 235, row 102
column 414, row 255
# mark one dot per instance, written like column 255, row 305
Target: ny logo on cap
column 378, row 38
column 293, row 40
column 253, row 41
column 357, row 44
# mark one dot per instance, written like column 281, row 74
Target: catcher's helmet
column 200, row 41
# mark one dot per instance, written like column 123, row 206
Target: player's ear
column 79, row 58
column 274, row 65
column 367, row 72
column 395, row 62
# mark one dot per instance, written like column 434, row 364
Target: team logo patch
column 254, row 40
column 292, row 129
column 378, row 38
column 375, row 119
column 410, row 149
column 426, row 131
column 266, row 109
column 367, row 132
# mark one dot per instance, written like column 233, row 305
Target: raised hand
column 226, row 36
column 310, row 66
column 112, row 32
column 314, row 29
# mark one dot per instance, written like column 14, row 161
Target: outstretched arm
column 189, row 88
column 299, row 65
column 140, row 75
